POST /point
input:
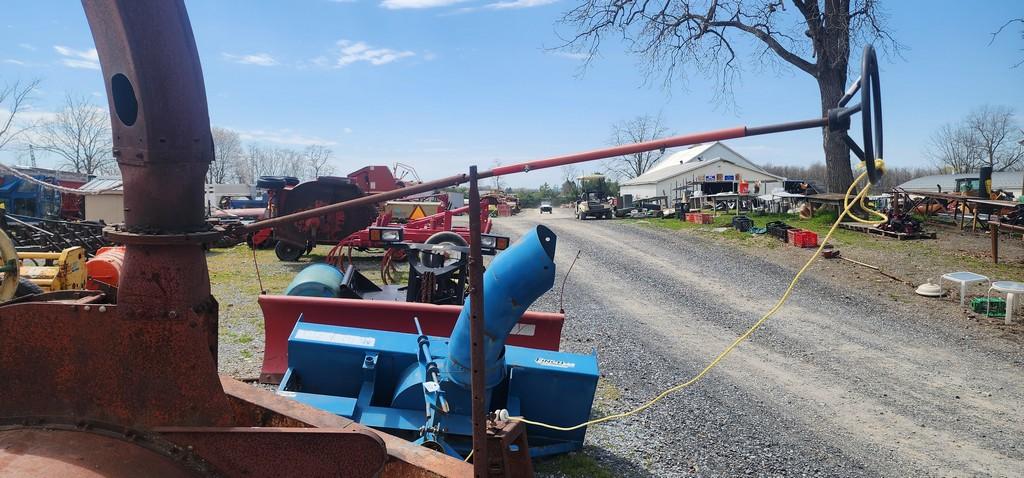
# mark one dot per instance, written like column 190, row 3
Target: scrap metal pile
column 31, row 234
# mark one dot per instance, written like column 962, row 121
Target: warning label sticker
column 417, row 213
column 554, row 363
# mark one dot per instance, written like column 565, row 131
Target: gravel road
column 844, row 381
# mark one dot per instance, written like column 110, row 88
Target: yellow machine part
column 8, row 267
column 63, row 270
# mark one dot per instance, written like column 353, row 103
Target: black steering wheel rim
column 871, row 113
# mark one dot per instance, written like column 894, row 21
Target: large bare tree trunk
column 832, row 85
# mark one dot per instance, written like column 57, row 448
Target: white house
column 710, row 167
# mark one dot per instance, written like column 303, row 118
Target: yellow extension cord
column 847, row 205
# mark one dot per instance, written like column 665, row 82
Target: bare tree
column 14, row 98
column 636, row 130
column 318, row 159
column 569, row 175
column 675, row 36
column 287, row 162
column 228, row 158
column 80, row 136
column 954, row 149
column 1003, row 27
column 254, row 165
column 997, row 136
column 499, row 184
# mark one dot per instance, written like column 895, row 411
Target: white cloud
column 15, row 62
column 283, row 136
column 355, row 51
column 87, row 59
column 514, row 4
column 27, row 46
column 407, row 4
column 258, row 59
column 347, row 130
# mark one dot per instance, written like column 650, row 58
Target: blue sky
column 442, row 84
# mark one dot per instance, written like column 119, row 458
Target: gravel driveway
column 840, row 383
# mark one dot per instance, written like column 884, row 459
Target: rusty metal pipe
column 605, row 153
column 163, row 146
column 476, row 330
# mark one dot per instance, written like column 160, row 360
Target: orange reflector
column 501, row 244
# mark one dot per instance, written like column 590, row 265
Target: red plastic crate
column 703, row 218
column 802, row 238
column 692, row 216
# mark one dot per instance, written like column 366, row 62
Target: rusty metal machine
column 125, row 383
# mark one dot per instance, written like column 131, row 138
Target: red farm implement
column 417, row 231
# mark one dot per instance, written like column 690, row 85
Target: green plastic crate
column 991, row 306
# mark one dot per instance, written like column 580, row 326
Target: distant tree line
column 236, row 162
column 79, row 137
column 894, row 176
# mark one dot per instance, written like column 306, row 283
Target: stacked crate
column 802, row 238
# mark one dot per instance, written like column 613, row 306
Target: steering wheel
column 870, row 108
column 8, row 267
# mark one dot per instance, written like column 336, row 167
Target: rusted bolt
column 172, row 314
column 87, row 308
column 103, row 308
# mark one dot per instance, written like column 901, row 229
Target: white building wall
column 639, row 191
column 665, row 187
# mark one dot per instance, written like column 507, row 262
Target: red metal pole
column 476, row 330
column 675, row 141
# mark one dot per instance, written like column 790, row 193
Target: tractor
column 593, row 200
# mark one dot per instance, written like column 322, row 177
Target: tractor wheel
column 446, row 236
column 288, row 252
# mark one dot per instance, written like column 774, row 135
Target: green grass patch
column 573, row 465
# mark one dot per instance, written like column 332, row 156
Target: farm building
column 708, row 168
column 1009, row 181
column 108, row 205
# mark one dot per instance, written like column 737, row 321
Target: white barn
column 690, row 168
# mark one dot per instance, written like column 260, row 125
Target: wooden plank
column 902, row 236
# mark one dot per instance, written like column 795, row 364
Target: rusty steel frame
column 94, row 371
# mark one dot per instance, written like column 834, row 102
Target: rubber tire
column 288, row 252
column 26, row 287
column 447, row 236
